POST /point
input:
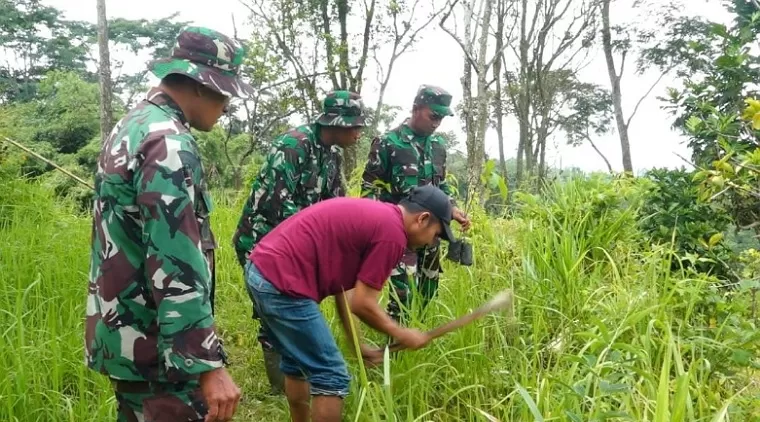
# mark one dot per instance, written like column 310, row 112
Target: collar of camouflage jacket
column 407, row 134
column 162, row 100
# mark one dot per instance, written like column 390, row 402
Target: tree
column 552, row 36
column 627, row 38
column 501, row 15
column 589, row 113
column 104, row 69
column 403, row 32
column 717, row 106
column 37, row 40
column 321, row 51
column 154, row 38
column 305, row 35
column 474, row 108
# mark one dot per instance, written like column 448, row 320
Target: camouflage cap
column 210, row 58
column 343, row 109
column 438, row 99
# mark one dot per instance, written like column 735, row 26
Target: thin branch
column 311, row 75
column 448, row 31
column 358, row 79
column 593, row 145
column 328, row 43
column 56, row 166
column 643, row 97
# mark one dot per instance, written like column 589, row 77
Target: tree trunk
column 625, row 144
column 106, row 89
column 542, row 165
column 476, row 144
column 499, row 108
column 523, row 104
column 468, row 111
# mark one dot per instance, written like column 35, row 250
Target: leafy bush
column 673, row 212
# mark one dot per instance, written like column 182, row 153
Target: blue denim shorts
column 298, row 331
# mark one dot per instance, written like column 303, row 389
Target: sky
column 437, row 59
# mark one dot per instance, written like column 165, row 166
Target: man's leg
column 310, row 356
column 159, row 402
column 402, row 282
column 299, row 398
column 429, row 274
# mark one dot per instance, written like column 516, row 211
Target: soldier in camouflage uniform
column 150, row 325
column 303, row 167
column 407, row 156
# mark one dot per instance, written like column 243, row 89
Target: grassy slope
column 601, row 335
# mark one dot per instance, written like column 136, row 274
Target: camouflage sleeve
column 376, row 175
column 277, row 182
column 338, row 187
column 166, row 179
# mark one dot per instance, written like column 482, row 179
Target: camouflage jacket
column 299, row 171
column 400, row 160
column 149, row 316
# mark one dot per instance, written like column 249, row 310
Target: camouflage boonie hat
column 209, row 57
column 342, row 109
column 438, row 99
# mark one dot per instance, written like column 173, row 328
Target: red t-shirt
column 325, row 248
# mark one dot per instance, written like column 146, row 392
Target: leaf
column 609, row 388
column 693, row 124
column 721, row 415
column 662, row 414
column 503, row 190
column 756, row 121
column 681, row 394
column 531, row 404
column 741, row 357
column 715, row 239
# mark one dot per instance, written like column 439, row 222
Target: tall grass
column 43, row 267
column 602, row 330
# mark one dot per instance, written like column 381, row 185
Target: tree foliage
column 716, row 109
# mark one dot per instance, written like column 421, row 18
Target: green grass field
column 602, row 329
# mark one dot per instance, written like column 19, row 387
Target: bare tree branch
column 643, row 97
column 448, row 31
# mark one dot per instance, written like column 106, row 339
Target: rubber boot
column 274, row 375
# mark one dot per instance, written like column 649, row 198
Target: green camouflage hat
column 210, row 58
column 343, row 109
column 438, row 99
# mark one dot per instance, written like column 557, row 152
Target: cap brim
column 441, row 110
column 211, row 77
column 341, row 121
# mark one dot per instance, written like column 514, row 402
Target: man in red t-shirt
column 327, row 249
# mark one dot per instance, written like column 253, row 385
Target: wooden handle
column 498, row 302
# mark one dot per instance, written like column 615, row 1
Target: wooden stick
column 62, row 170
column 501, row 301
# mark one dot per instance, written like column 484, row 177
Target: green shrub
column 673, row 212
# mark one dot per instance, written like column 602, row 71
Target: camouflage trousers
column 140, row 401
column 414, row 281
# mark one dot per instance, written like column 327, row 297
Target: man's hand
column 461, row 218
column 371, row 356
column 364, row 305
column 412, row 339
column 221, row 394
